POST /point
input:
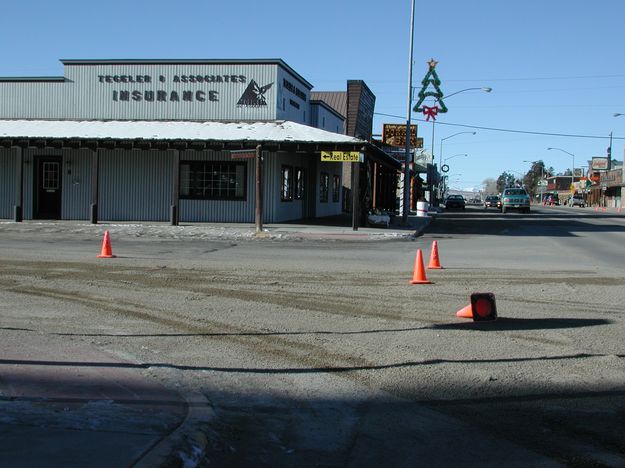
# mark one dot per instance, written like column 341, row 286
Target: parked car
column 577, row 200
column 492, row 201
column 551, row 199
column 515, row 199
column 455, row 202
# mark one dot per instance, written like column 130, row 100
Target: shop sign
column 243, row 154
column 395, row 135
column 611, row 178
column 176, row 88
column 340, row 156
column 600, row 164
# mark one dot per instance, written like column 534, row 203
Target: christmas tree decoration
column 430, row 81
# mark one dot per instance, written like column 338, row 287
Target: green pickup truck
column 515, row 199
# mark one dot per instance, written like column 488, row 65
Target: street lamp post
column 440, row 155
column 573, row 168
column 618, row 114
column 454, row 156
column 485, row 89
column 406, row 210
column 446, row 138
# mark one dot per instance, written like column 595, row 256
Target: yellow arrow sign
column 340, row 156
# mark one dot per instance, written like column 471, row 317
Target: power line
column 508, row 130
column 587, row 77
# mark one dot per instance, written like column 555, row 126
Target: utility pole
column 408, row 160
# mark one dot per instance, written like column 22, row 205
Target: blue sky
column 555, row 66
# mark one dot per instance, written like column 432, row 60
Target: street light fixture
column 573, row 168
column 485, row 89
column 455, row 155
column 446, row 138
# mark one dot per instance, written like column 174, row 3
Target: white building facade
column 158, row 140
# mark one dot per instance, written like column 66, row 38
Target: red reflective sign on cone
column 483, row 306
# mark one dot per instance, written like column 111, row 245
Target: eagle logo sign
column 254, row 95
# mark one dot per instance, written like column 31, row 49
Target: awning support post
column 18, row 212
column 259, row 192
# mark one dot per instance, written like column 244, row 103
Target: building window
column 336, row 188
column 300, row 183
column 213, row 180
column 324, row 186
column 286, row 188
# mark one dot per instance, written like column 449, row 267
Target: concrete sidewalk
column 339, row 228
column 332, row 228
column 65, row 403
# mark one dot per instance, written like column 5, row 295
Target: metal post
column 18, row 210
column 355, row 196
column 93, row 216
column 174, row 217
column 407, row 159
column 259, row 192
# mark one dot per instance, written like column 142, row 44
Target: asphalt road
column 320, row 353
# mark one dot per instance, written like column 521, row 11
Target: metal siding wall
column 7, row 182
column 91, row 99
column 77, row 183
column 134, row 185
column 219, row 211
column 286, row 211
column 289, row 112
column 332, row 122
column 272, row 178
column 83, row 96
column 32, row 100
column 75, row 186
column 330, row 208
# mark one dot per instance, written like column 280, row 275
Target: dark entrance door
column 47, row 187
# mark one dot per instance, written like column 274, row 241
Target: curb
column 185, row 446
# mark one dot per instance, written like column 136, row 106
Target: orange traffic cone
column 482, row 308
column 418, row 275
column 435, row 263
column 107, row 251
column 465, row 312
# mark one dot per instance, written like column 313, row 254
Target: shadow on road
column 511, row 324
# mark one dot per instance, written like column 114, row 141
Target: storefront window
column 286, row 188
column 210, row 180
column 324, row 187
column 336, row 188
column 299, row 183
